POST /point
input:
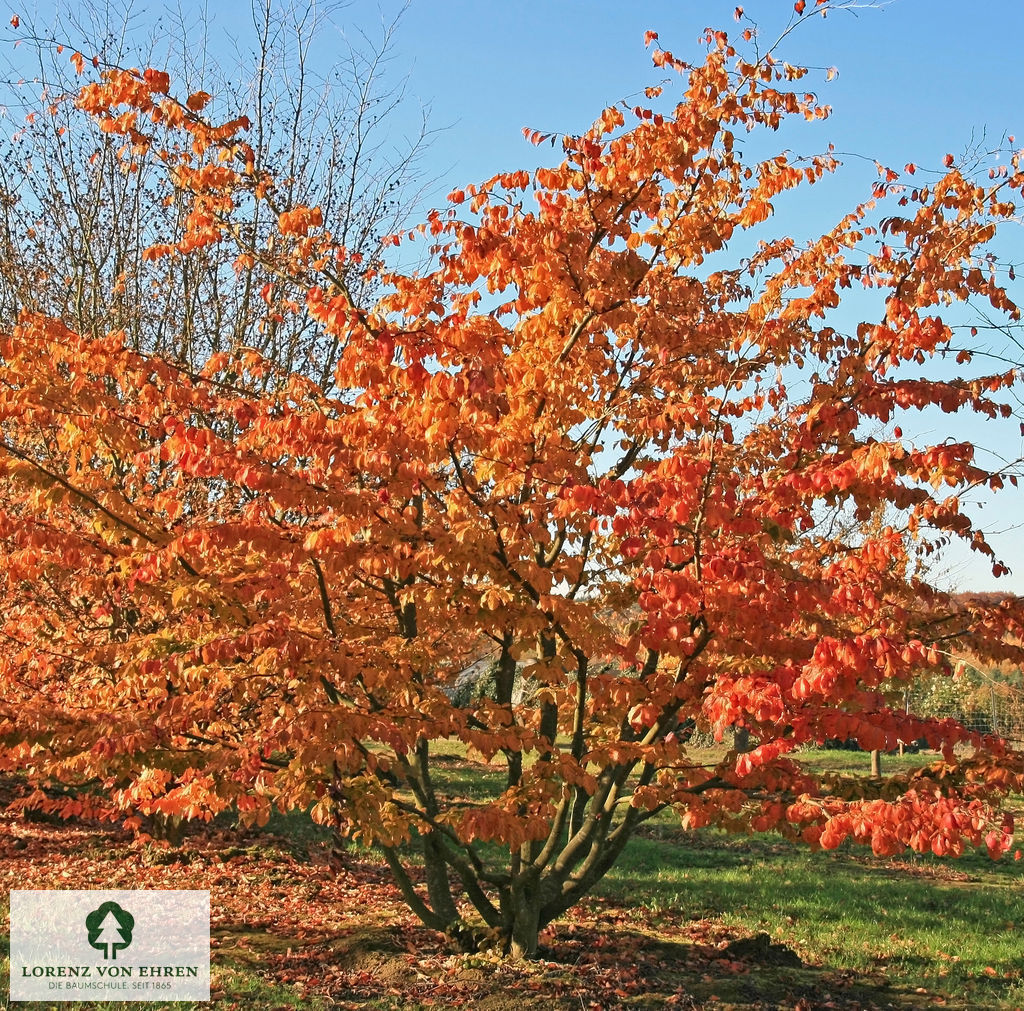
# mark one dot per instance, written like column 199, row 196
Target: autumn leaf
column 198, row 100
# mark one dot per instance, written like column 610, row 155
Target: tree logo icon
column 110, row 928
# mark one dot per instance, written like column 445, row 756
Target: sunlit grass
column 950, row 926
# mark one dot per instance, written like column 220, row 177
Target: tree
column 584, row 447
column 110, row 927
column 110, row 936
column 74, row 227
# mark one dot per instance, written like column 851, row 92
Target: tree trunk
column 525, row 929
column 876, row 763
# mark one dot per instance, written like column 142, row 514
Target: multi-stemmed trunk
column 542, row 878
column 527, row 900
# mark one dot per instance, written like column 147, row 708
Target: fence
column 984, row 701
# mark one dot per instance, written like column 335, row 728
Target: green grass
column 844, row 909
column 859, row 762
column 947, row 925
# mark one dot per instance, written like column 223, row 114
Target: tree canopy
column 652, row 483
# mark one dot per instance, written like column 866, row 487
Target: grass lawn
column 665, row 929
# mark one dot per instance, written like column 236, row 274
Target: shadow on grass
column 711, row 974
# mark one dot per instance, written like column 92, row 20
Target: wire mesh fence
column 989, row 702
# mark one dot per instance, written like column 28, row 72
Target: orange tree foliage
column 654, row 490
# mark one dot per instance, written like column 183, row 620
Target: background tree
column 75, row 227
column 586, row 436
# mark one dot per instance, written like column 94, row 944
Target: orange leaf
column 158, row 80
column 197, row 100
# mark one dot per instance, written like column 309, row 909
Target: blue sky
column 917, row 79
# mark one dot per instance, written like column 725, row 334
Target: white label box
column 94, row 945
